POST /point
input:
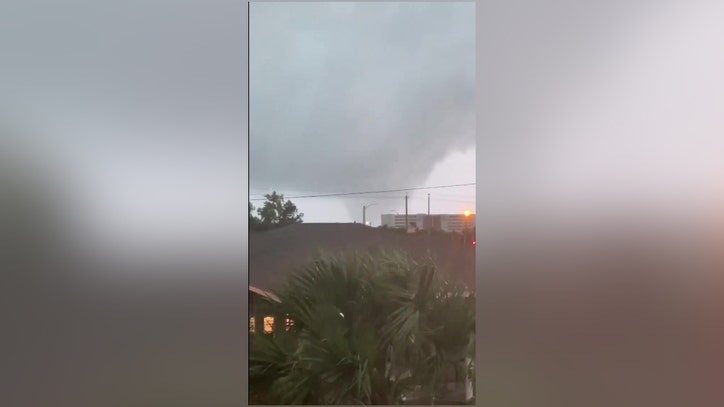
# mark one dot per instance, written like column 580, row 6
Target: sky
column 350, row 97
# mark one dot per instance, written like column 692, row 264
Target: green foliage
column 253, row 220
column 275, row 212
column 367, row 330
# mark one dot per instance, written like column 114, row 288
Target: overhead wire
column 371, row 192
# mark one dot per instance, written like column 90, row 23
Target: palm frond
column 348, row 312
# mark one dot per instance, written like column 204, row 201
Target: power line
column 371, row 192
column 420, row 198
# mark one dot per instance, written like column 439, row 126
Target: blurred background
column 123, row 186
column 599, row 203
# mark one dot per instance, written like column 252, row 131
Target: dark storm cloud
column 350, row 96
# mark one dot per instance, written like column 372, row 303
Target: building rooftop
column 276, row 253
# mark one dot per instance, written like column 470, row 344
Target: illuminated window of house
column 268, row 325
column 288, row 325
column 252, row 324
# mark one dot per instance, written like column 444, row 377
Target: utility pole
column 429, row 220
column 407, row 226
column 466, row 226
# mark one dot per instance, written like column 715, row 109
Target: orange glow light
column 268, row 325
column 466, row 213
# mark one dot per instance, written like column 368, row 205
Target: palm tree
column 366, row 330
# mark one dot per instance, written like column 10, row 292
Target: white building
column 456, row 223
column 414, row 221
column 421, row 221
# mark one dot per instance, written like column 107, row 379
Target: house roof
column 263, row 293
column 276, row 253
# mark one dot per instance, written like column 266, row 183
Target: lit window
column 268, row 325
column 289, row 324
column 252, row 324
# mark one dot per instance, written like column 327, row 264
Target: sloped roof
column 263, row 293
column 276, row 253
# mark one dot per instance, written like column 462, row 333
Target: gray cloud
column 351, row 96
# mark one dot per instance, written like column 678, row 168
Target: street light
column 364, row 213
column 466, row 226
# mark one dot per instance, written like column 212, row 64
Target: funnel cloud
column 357, row 97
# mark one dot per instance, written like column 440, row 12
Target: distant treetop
column 275, row 212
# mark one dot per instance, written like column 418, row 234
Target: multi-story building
column 457, row 223
column 414, row 221
column 419, row 221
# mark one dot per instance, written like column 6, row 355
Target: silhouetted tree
column 275, row 212
column 253, row 220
